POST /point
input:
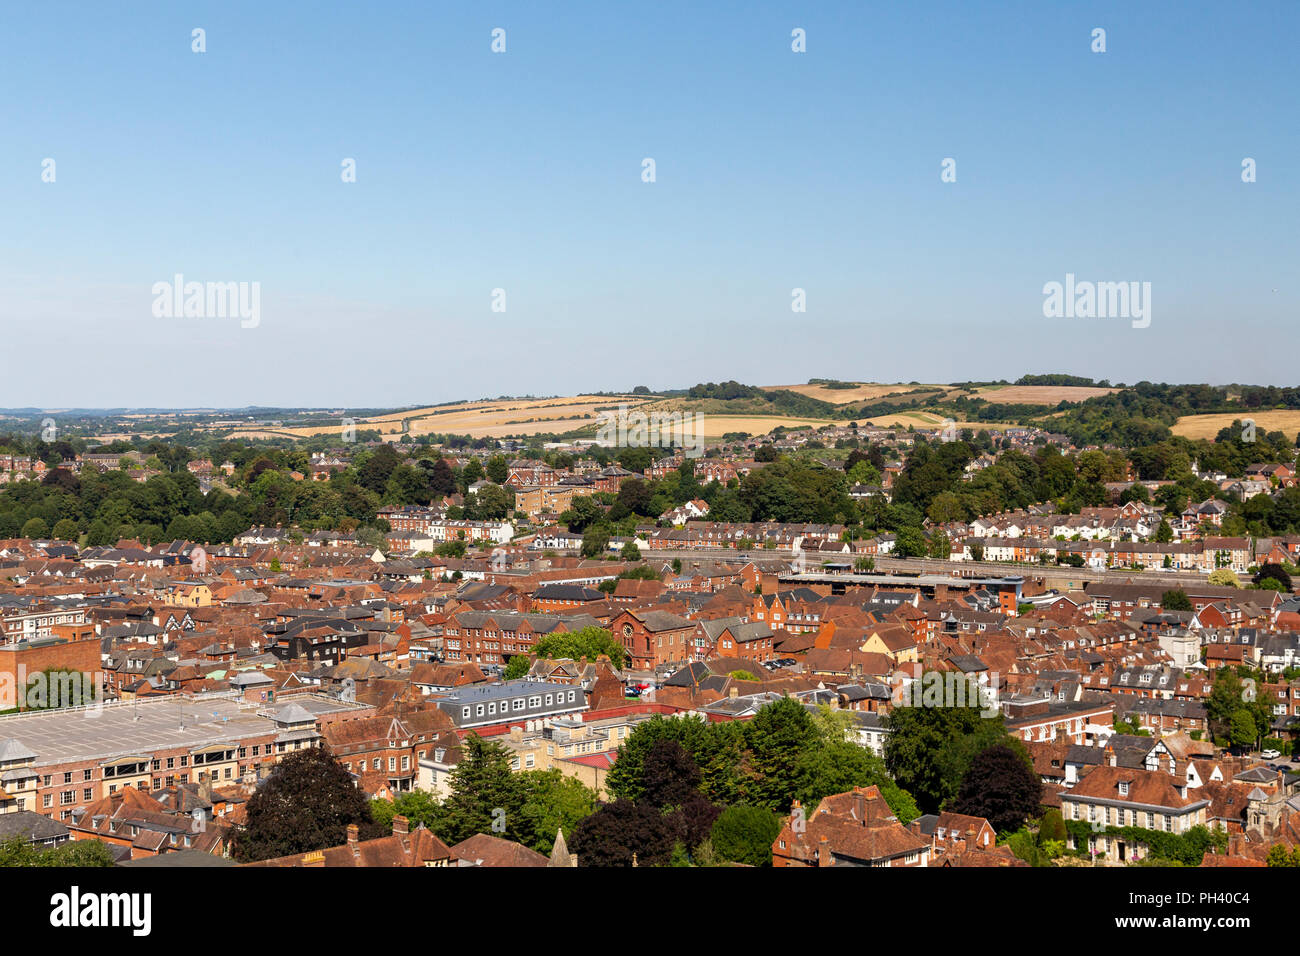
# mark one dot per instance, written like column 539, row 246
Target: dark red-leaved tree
column 611, row 835
column 1001, row 787
column 305, row 804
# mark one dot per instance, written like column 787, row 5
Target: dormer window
column 1123, row 788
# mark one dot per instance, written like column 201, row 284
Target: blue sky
column 522, row 171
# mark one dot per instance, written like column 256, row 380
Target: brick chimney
column 401, row 826
column 860, row 806
column 353, row 833
column 314, row 859
column 824, row 853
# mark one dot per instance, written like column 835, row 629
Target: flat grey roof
column 169, row 722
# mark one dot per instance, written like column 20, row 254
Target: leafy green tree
column 589, row 642
column 1024, row 846
column 1233, row 713
column 582, row 514
column 929, row 749
column 552, row 802
column 718, row 751
column 1052, row 827
column 307, row 803
column 940, row 546
column 635, row 496
column 375, row 470
column 497, row 470
column 518, row 666
column 744, row 834
column 1276, row 573
column 946, row 507
column 776, row 737
column 16, row 851
column 484, row 792
column 35, row 528
column 472, row 472
column 910, row 543
column 451, row 549
column 1175, row 600
column 831, row 767
column 595, row 541
column 442, row 481
column 1242, row 731
column 418, row 806
column 489, row 503
column 1279, row 856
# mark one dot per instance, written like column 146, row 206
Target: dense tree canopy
column 1001, row 787
column 305, row 804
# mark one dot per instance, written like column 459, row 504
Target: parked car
column 1271, row 754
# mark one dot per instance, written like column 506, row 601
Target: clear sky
column 522, row 171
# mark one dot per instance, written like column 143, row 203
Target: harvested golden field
column 863, row 392
column 1040, row 394
column 497, row 422
column 127, row 436
column 929, row 420
column 256, row 434
column 715, row 426
column 1207, row 426
column 492, row 419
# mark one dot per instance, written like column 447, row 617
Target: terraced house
column 489, row 637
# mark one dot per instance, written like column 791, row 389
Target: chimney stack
column 401, row 826
column 353, row 833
